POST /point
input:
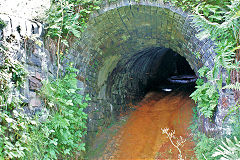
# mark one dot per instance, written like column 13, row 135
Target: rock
column 34, row 60
column 38, row 76
column 35, row 102
column 34, row 83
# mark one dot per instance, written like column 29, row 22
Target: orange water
column 141, row 137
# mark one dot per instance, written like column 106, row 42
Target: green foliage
column 205, row 146
column 67, row 124
column 209, row 7
column 2, row 24
column 207, row 98
column 12, row 73
column 205, row 94
column 59, row 135
column 235, row 86
column 68, row 18
column 229, row 150
column 216, row 148
column 221, row 24
column 13, row 138
column 220, row 21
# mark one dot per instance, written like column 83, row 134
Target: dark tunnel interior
column 155, row 69
column 169, row 70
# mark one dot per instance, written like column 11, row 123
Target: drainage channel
column 141, row 136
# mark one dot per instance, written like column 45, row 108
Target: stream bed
column 140, row 134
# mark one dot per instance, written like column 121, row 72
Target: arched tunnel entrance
column 155, row 69
column 156, row 83
column 130, row 49
column 157, row 96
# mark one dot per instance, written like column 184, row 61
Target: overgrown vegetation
column 228, row 150
column 13, row 137
column 220, row 21
column 58, row 132
column 58, row 135
column 67, row 19
column 209, row 95
column 207, row 146
column 2, row 24
column 204, row 145
column 61, row 134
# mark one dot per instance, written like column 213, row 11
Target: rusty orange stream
column 141, row 137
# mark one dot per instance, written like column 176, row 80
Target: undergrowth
column 58, row 135
column 13, row 138
column 58, row 132
column 211, row 148
column 219, row 21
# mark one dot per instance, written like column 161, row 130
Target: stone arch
column 121, row 30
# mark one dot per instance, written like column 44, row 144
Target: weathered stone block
column 35, row 102
column 34, row 83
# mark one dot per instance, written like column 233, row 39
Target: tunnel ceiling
column 120, row 33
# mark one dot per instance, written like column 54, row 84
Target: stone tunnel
column 128, row 49
column 129, row 45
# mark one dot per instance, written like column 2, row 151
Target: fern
column 203, row 71
column 207, row 97
column 229, row 150
column 235, row 86
column 225, row 56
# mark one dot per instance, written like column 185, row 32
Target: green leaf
column 65, row 42
column 87, row 98
column 69, row 102
column 76, row 32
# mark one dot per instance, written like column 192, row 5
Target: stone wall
column 24, row 40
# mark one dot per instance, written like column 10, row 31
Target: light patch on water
column 167, row 89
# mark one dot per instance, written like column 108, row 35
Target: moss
column 109, row 64
column 2, row 24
